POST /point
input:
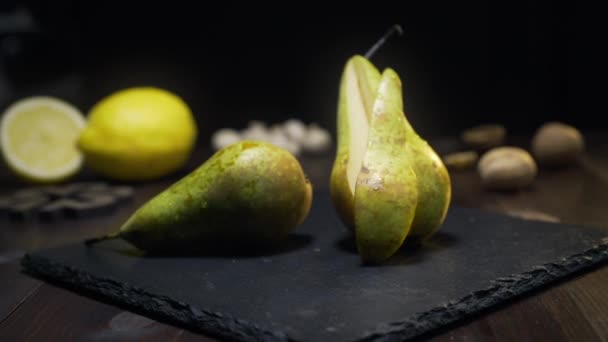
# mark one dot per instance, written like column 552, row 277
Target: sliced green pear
column 359, row 91
column 386, row 191
column 358, row 86
column 250, row 194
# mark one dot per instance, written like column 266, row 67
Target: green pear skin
column 365, row 78
column 434, row 187
column 434, row 184
column 386, row 195
column 250, row 193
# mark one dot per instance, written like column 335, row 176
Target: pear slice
column 360, row 80
column 386, row 193
column 373, row 184
column 434, row 186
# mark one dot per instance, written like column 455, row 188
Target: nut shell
column 507, row 168
column 484, row 136
column 556, row 143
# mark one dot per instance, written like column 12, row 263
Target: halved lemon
column 38, row 139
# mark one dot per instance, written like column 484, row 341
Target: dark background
column 519, row 63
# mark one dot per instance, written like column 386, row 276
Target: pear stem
column 390, row 32
column 101, row 238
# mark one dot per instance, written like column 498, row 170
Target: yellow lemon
column 38, row 139
column 138, row 134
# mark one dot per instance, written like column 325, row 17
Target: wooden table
column 575, row 310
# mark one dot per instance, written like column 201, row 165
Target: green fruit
column 247, row 195
column 386, row 194
column 360, row 80
column 387, row 183
column 434, row 186
column 373, row 183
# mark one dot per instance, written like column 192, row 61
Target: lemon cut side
column 38, row 139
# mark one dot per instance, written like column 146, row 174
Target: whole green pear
column 249, row 194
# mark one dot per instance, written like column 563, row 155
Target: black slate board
column 317, row 290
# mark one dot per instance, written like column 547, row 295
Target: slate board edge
column 225, row 326
column 163, row 308
column 502, row 289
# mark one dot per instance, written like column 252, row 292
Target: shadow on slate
column 317, row 290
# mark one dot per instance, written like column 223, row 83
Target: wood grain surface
column 574, row 310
